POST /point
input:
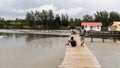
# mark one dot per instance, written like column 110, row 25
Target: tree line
column 48, row 20
column 105, row 17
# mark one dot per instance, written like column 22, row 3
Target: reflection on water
column 31, row 51
column 37, row 36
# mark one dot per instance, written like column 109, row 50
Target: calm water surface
column 31, row 50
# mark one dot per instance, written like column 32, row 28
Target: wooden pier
column 105, row 35
column 79, row 57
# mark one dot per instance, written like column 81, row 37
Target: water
column 107, row 53
column 31, row 51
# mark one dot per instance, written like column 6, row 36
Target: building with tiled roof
column 95, row 26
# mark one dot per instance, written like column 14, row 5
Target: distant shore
column 48, row 32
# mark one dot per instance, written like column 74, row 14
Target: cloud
column 74, row 8
column 14, row 13
column 17, row 11
column 70, row 11
column 43, row 7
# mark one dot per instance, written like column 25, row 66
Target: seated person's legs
column 67, row 43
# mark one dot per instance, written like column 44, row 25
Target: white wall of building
column 95, row 28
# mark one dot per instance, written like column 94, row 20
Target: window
column 97, row 27
column 91, row 27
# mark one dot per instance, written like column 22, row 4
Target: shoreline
column 47, row 32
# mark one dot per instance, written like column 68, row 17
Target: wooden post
column 114, row 38
column 103, row 39
column 91, row 38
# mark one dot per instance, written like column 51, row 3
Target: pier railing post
column 91, row 38
column 114, row 38
column 103, row 38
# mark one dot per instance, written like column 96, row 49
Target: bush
column 72, row 27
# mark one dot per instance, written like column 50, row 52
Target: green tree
column 114, row 16
column 57, row 21
column 102, row 16
column 2, row 22
column 64, row 20
column 44, row 18
column 71, row 22
column 37, row 18
column 51, row 22
column 87, row 18
column 30, row 18
column 77, row 22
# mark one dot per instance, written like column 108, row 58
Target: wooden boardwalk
column 79, row 57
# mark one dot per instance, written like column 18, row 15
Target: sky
column 12, row 9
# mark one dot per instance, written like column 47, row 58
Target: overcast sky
column 12, row 9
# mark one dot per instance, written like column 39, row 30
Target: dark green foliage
column 106, row 18
column 87, row 18
column 74, row 22
column 102, row 16
column 30, row 18
column 57, row 21
column 2, row 22
column 64, row 20
column 114, row 16
column 48, row 20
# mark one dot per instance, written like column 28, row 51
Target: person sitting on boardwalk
column 82, row 35
column 72, row 41
column 73, row 31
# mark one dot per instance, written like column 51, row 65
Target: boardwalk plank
column 79, row 57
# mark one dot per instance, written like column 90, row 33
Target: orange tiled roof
column 91, row 23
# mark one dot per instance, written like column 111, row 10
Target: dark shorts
column 73, row 44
